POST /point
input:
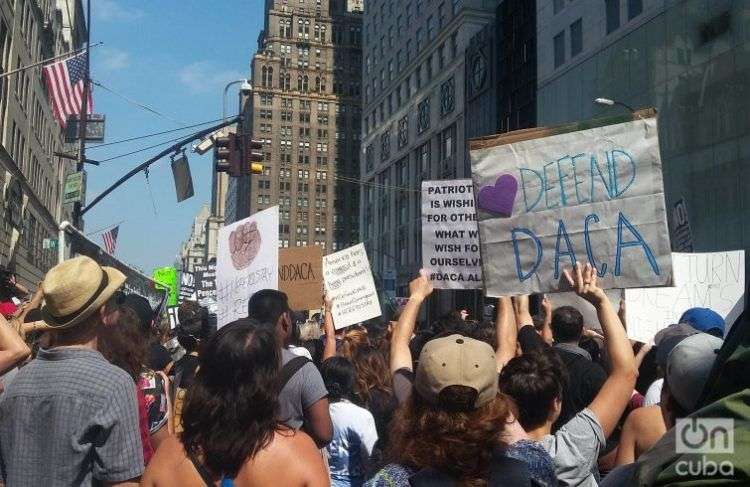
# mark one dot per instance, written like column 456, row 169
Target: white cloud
column 112, row 59
column 110, row 10
column 206, row 77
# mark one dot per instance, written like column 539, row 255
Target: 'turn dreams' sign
column 589, row 192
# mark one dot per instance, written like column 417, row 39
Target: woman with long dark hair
column 231, row 432
column 354, row 433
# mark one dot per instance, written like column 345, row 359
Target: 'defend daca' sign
column 588, row 192
column 450, row 238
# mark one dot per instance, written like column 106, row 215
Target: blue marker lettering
column 638, row 242
column 600, row 271
column 523, row 186
column 561, row 232
column 547, row 186
column 521, row 276
column 615, row 176
column 577, row 181
column 595, row 167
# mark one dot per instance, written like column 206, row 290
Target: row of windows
column 613, row 19
column 446, row 143
column 340, row 34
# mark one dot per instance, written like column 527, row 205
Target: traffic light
column 254, row 158
column 228, row 155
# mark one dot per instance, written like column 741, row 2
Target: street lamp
column 610, row 102
column 246, row 86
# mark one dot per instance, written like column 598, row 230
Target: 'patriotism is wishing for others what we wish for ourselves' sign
column 587, row 192
column 450, row 238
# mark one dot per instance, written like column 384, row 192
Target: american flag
column 110, row 239
column 65, row 85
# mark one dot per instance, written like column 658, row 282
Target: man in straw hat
column 70, row 417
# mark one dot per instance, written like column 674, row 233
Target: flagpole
column 83, row 116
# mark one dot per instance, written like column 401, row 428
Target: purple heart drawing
column 499, row 198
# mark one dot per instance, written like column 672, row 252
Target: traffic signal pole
column 173, row 148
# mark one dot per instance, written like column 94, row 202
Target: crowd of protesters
column 97, row 390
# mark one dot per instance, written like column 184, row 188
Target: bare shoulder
column 293, row 442
column 170, row 456
column 645, row 417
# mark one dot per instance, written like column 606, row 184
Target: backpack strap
column 168, row 393
column 202, row 470
column 290, row 368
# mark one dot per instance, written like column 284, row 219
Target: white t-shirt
column 575, row 449
column 354, row 436
column 653, row 394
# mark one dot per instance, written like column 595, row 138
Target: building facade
column 414, row 119
column 193, row 250
column 688, row 58
column 32, row 177
column 305, row 108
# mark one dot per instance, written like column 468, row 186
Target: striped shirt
column 69, row 418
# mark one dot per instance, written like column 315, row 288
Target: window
column 613, row 15
column 557, row 6
column 559, row 45
column 423, row 159
column 385, row 145
column 441, row 15
column 369, row 157
column 430, row 27
column 635, row 8
column 576, row 38
column 423, row 115
column 448, row 143
column 403, row 132
column 447, row 97
column 454, row 6
column 419, row 40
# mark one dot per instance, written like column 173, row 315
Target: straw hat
column 76, row 288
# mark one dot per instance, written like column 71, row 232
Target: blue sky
column 176, row 57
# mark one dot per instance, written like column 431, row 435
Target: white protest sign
column 714, row 280
column 348, row 281
column 247, row 261
column 550, row 197
column 450, row 238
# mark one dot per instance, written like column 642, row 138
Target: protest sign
column 348, row 281
column 714, row 280
column 586, row 192
column 205, row 281
column 247, row 261
column 450, row 238
column 187, row 286
column 167, row 277
column 682, row 237
column 301, row 277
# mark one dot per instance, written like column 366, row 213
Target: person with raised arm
column 536, row 381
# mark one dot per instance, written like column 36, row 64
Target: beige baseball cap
column 457, row 360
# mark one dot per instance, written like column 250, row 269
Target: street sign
column 75, row 187
column 682, row 236
column 49, row 243
column 94, row 128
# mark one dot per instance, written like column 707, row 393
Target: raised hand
column 420, row 287
column 583, row 282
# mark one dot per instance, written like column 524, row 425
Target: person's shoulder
column 644, row 417
column 289, row 444
column 167, row 456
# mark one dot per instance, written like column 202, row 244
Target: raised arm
column 613, row 397
column 507, row 332
column 419, row 289
column 329, row 348
column 12, row 347
column 547, row 327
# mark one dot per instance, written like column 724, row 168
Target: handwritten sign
column 247, row 261
column 550, row 197
column 450, row 237
column 301, row 276
column 348, row 280
column 713, row 280
column 587, row 310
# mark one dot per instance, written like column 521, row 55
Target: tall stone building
column 414, row 118
column 31, row 176
column 306, row 109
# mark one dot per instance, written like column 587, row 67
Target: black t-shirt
column 184, row 370
column 158, row 357
column 585, row 379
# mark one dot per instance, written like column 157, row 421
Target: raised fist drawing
column 244, row 244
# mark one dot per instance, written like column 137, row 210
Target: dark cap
column 668, row 338
column 142, row 309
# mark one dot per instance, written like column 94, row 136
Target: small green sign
column 167, row 277
column 75, row 187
